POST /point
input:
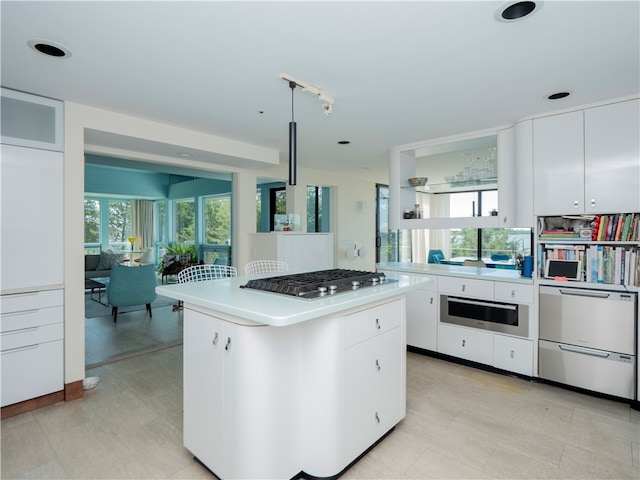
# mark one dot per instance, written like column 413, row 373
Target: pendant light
column 292, row 141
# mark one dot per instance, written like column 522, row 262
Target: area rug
column 94, row 309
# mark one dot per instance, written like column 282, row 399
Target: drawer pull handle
column 431, row 300
column 377, row 418
column 228, row 345
column 513, row 293
column 22, row 312
column 575, row 203
column 20, row 330
column 463, row 342
column 513, row 354
column 464, row 287
column 378, row 367
column 19, row 349
column 378, row 324
column 215, row 339
column 593, row 202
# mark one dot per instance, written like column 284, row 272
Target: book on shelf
column 618, row 227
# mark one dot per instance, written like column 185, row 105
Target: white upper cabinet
column 32, row 121
column 558, row 173
column 588, row 161
column 612, row 158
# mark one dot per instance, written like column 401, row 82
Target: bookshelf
column 607, row 246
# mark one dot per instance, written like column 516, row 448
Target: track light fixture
column 327, row 101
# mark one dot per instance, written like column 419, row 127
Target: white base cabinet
column 300, row 251
column 422, row 317
column 31, row 344
column 238, row 403
column 500, row 351
column 467, row 343
column 270, row 402
column 513, row 354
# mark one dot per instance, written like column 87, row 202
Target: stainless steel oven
column 509, row 318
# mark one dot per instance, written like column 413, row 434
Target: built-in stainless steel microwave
column 499, row 317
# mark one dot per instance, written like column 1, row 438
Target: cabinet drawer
column 466, row 343
column 32, row 372
column 370, row 417
column 30, row 301
column 366, row 324
column 513, row 354
column 372, row 363
column 513, row 292
column 31, row 336
column 27, row 319
column 466, row 286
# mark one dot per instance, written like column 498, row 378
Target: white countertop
column 226, row 296
column 496, row 274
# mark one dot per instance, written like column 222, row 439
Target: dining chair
column 128, row 286
column 199, row 273
column 265, row 266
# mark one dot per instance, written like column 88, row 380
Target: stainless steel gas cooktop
column 323, row 283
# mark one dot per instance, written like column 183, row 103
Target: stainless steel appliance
column 509, row 318
column 310, row 285
column 587, row 339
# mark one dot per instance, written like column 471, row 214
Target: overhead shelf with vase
column 458, row 182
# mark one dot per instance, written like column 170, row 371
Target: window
column 119, row 223
column 184, row 221
column 277, row 204
column 317, row 209
column 217, row 220
column 92, row 226
column 391, row 245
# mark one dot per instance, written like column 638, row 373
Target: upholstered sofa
column 91, row 264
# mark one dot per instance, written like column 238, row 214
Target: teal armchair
column 131, row 286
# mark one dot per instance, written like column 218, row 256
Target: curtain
column 142, row 223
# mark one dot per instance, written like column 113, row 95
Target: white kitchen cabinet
column 558, row 169
column 31, row 257
column 31, row 344
column 466, row 287
column 513, row 354
column 374, row 376
column 588, row 161
column 422, row 317
column 612, row 157
column 31, row 121
column 238, row 400
column 300, row 251
column 269, row 402
column 467, row 343
column 513, row 292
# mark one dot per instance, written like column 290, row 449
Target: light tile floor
column 461, row 423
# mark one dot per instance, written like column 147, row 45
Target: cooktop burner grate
column 317, row 284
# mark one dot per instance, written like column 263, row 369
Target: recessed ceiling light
column 344, row 142
column 558, row 95
column 49, row 48
column 516, row 10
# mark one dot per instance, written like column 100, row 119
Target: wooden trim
column 31, row 404
column 73, row 391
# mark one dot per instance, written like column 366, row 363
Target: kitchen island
column 276, row 386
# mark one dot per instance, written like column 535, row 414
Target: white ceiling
column 401, row 72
